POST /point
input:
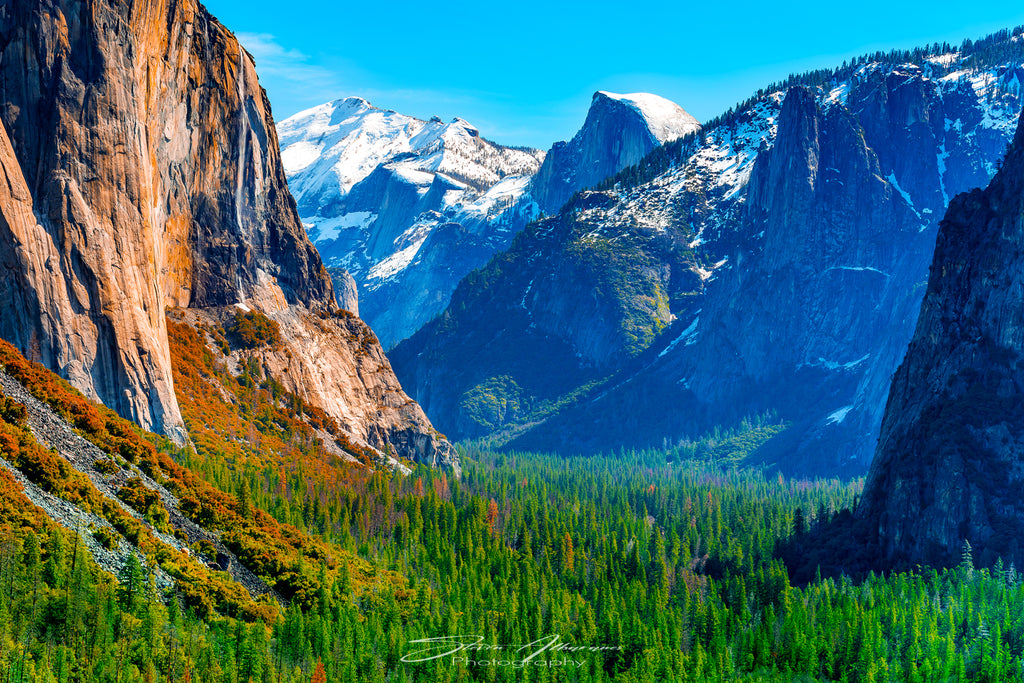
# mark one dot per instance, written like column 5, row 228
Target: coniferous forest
column 211, row 470
column 660, row 569
column 673, row 564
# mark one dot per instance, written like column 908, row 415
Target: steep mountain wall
column 808, row 217
column 619, row 131
column 144, row 175
column 950, row 459
column 576, row 297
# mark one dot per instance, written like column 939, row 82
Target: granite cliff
column 950, row 461
column 143, row 175
column 410, row 207
column 802, row 223
column 619, row 131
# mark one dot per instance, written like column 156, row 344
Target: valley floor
column 664, row 570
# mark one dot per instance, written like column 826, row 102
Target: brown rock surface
column 143, row 173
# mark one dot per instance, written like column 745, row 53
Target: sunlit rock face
column 143, row 174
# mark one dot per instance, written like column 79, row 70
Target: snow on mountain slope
column 666, row 120
column 409, row 207
column 810, row 247
column 328, row 149
column 372, row 186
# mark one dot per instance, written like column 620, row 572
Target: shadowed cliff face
column 950, row 459
column 819, row 301
column 821, row 273
column 143, row 174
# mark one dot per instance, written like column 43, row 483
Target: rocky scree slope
column 51, row 431
column 950, row 461
column 808, row 215
column 123, row 491
column 143, row 174
column 408, row 207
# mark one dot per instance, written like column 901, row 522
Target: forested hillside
column 674, row 566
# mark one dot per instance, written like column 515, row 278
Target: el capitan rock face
column 143, row 174
column 950, row 459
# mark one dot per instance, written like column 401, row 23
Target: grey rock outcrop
column 950, row 459
column 619, row 131
column 346, row 292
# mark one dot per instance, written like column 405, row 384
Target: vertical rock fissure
column 243, row 132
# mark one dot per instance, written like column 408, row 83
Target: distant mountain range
column 771, row 266
column 409, row 207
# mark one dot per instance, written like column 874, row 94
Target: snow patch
column 838, row 416
column 689, row 335
column 903, row 193
column 944, row 60
column 665, row 119
column 522, row 303
column 300, row 155
column 327, row 229
column 859, row 269
column 833, row 365
column 395, row 263
column 839, row 94
column 498, row 197
column 413, row 176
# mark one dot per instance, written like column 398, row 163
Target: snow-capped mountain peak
column 372, row 185
column 666, row 120
column 463, row 126
column 409, row 206
column 619, row 131
column 330, row 148
column 335, row 145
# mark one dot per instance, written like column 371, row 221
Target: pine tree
column 967, row 560
column 319, row 675
column 133, row 580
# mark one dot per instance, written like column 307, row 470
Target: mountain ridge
column 407, row 226
column 965, row 112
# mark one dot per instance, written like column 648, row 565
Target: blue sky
column 523, row 72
